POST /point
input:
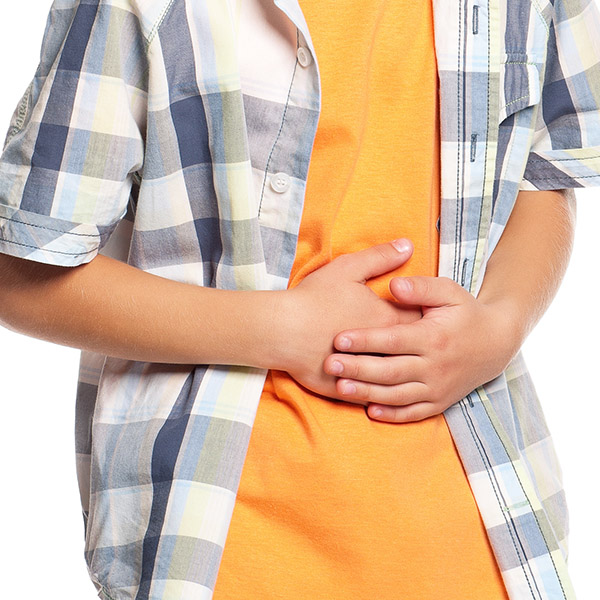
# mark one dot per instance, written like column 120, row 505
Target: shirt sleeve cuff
column 49, row 239
column 562, row 169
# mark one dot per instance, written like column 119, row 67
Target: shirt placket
column 282, row 185
column 468, row 50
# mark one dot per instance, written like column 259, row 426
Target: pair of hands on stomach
column 405, row 360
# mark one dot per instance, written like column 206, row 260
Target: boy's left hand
column 413, row 371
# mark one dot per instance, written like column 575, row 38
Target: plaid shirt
column 152, row 132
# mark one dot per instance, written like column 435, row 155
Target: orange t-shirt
column 332, row 504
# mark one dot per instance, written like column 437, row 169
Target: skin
column 430, row 360
column 461, row 341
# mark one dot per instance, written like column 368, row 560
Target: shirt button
column 280, row 182
column 304, row 56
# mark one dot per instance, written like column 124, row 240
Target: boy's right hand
column 117, row 310
column 331, row 299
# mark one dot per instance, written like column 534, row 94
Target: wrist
column 262, row 324
column 283, row 327
column 508, row 324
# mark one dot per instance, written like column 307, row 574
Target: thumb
column 376, row 260
column 426, row 291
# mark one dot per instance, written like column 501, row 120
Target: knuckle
column 439, row 376
column 393, row 339
column 450, row 285
column 389, row 371
column 421, row 285
column 435, row 396
column 416, row 413
column 353, row 370
column 392, row 415
column 359, row 341
column 399, row 398
column 381, row 251
column 440, row 340
column 409, row 414
column 363, row 392
column 342, row 261
column 448, row 282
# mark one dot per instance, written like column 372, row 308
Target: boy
column 177, row 422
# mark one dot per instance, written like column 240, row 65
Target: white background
column 39, row 506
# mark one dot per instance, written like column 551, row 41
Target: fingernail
column 402, row 245
column 404, row 284
column 336, row 368
column 376, row 412
column 344, row 343
column 349, row 388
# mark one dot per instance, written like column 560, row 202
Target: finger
column 406, row 339
column 402, row 414
column 396, row 395
column 376, row 260
column 427, row 291
column 388, row 370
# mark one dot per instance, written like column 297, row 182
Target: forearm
column 115, row 309
column 530, row 260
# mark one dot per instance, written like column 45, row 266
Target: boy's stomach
column 334, row 505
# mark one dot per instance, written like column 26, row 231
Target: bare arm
column 115, row 309
column 531, row 258
column 461, row 342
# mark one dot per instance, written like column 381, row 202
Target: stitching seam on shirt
column 94, row 235
column 549, row 553
column 516, row 62
column 23, row 108
column 487, row 133
column 486, row 461
column 48, row 249
column 563, row 159
column 480, row 447
column 21, row 117
column 473, row 150
column 516, row 100
column 515, row 506
column 459, row 146
column 559, row 177
column 158, row 23
column 106, row 594
column 287, row 102
column 538, row 9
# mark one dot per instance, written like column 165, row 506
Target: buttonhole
column 463, row 276
column 473, row 147
column 475, row 20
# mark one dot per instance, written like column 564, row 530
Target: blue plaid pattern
column 150, row 133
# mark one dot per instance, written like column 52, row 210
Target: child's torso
column 331, row 504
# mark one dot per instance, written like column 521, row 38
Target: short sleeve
column 76, row 139
column 566, row 144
